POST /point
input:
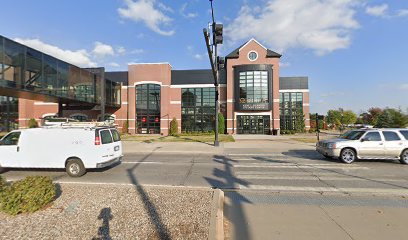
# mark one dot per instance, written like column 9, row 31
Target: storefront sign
column 254, row 106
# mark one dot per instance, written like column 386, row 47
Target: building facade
column 254, row 99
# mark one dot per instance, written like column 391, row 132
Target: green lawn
column 180, row 138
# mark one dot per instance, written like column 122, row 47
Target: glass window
column 116, row 135
column 391, row 136
column 8, row 113
column 13, row 63
column 254, row 88
column 252, row 56
column 106, row 136
column 291, row 109
column 148, row 108
column 197, row 109
column 405, row 134
column 11, row 139
column 372, row 136
column 352, row 135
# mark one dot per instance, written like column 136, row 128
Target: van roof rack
column 82, row 125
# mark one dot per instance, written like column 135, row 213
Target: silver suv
column 367, row 144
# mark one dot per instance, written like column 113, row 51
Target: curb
column 217, row 216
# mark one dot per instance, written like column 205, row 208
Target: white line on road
column 260, row 165
column 264, row 177
column 326, row 189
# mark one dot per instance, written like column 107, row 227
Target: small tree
column 221, row 123
column 173, row 127
column 125, row 127
column 32, row 123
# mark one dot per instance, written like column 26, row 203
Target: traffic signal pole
column 215, row 65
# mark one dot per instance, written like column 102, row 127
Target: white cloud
column 121, row 50
column 137, row 51
column 323, row 26
column 145, row 11
column 187, row 15
column 102, row 50
column 114, row 64
column 404, row 86
column 78, row 57
column 402, row 12
column 284, row 64
column 199, row 56
column 377, row 11
column 165, row 8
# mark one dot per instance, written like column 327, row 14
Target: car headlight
column 331, row 145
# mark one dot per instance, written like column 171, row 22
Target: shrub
column 173, row 127
column 125, row 127
column 2, row 184
column 27, row 195
column 32, row 123
column 221, row 124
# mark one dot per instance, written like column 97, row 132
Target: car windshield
column 352, row 135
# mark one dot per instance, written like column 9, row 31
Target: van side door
column 10, row 150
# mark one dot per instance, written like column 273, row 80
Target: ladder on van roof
column 82, row 125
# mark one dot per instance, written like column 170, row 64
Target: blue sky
column 353, row 51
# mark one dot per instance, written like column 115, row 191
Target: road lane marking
column 310, row 177
column 265, row 165
column 401, row 191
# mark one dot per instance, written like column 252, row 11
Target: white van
column 75, row 148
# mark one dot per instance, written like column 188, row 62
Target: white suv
column 367, row 144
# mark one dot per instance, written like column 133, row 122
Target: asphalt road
column 301, row 170
column 259, row 179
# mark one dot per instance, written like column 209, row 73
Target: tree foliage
column 173, row 127
column 32, row 123
column 392, row 118
column 221, row 123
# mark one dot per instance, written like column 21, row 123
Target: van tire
column 75, row 167
column 404, row 157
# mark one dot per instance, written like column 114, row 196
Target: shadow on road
column 161, row 230
column 225, row 179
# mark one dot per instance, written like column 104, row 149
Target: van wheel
column 348, row 155
column 75, row 167
column 404, row 157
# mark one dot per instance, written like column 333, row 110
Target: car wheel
column 348, row 155
column 75, row 167
column 404, row 157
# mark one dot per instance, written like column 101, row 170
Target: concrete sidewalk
column 275, row 145
column 318, row 217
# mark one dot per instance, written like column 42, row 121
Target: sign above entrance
column 254, row 106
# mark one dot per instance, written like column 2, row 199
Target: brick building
column 254, row 99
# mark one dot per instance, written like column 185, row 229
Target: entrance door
column 253, row 124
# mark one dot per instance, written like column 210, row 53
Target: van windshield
column 116, row 135
column 352, row 135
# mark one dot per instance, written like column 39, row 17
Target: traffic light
column 143, row 119
column 217, row 31
column 221, row 62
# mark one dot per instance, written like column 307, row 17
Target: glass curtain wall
column 148, row 108
column 198, row 110
column 25, row 68
column 253, row 87
column 291, row 110
column 8, row 113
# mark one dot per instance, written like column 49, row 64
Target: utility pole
column 216, row 62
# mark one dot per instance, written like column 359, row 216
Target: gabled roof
column 269, row 53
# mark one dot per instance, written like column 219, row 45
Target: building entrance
column 253, row 124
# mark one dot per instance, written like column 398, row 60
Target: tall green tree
column 334, row 118
column 392, row 118
column 348, row 117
